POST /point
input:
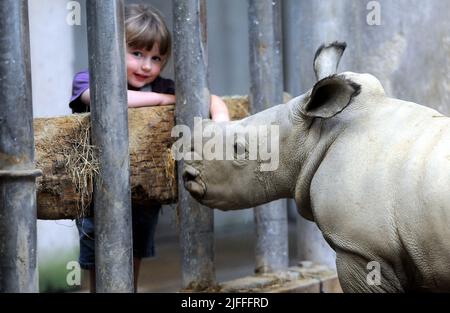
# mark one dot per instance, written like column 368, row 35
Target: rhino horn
column 326, row 60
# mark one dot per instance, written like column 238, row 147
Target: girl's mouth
column 140, row 77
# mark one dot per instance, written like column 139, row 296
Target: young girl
column 148, row 49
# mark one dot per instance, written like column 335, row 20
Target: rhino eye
column 240, row 152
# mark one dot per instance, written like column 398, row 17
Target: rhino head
column 297, row 134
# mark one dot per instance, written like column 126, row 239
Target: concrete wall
column 52, row 55
column 408, row 51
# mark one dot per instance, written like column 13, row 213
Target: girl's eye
column 156, row 59
column 137, row 53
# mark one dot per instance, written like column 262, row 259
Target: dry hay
column 81, row 163
column 170, row 170
column 64, row 153
column 238, row 106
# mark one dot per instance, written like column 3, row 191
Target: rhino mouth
column 193, row 182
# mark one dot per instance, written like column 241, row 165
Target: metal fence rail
column 112, row 201
column 196, row 221
column 18, row 272
column 109, row 118
column 266, row 89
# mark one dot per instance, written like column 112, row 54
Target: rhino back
column 382, row 190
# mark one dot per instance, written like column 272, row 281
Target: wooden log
column 153, row 175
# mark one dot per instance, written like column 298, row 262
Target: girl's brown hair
column 144, row 26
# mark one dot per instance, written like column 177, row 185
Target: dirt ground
column 234, row 258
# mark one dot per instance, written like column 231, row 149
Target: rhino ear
column 329, row 97
column 326, row 60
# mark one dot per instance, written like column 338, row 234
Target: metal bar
column 109, row 118
column 292, row 15
column 18, row 272
column 310, row 246
column 266, row 90
column 196, row 221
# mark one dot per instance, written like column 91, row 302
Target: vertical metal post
column 18, row 271
column 109, row 118
column 291, row 70
column 266, row 89
column 311, row 246
column 196, row 221
column 292, row 15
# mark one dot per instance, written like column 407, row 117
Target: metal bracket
column 20, row 173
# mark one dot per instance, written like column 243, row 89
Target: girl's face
column 143, row 66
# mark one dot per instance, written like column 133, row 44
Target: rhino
column 373, row 173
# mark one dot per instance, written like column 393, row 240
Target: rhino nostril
column 190, row 173
column 192, row 181
column 197, row 190
column 187, row 176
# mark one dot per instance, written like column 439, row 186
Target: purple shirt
column 81, row 83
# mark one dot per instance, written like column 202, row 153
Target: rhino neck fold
column 274, row 187
column 322, row 139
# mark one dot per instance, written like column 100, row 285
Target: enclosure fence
column 112, row 199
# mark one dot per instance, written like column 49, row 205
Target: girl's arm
column 219, row 110
column 138, row 99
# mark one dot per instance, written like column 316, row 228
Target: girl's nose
column 147, row 65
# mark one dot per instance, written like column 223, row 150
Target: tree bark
column 153, row 173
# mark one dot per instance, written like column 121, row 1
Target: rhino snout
column 193, row 182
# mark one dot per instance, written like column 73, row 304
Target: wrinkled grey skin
column 373, row 172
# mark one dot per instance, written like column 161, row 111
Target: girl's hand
column 137, row 99
column 167, row 99
column 219, row 110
